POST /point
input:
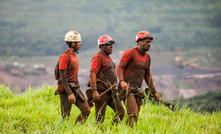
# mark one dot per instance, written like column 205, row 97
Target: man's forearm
column 149, row 82
column 93, row 82
column 120, row 74
column 65, row 82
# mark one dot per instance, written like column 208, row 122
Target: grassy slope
column 37, row 111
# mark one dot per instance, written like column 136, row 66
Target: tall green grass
column 38, row 111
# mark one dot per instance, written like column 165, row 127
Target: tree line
column 37, row 28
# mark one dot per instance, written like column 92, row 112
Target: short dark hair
column 102, row 45
column 69, row 44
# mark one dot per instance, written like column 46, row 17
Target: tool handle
column 104, row 92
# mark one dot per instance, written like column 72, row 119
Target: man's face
column 145, row 44
column 78, row 45
column 109, row 48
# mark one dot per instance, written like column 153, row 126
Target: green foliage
column 32, row 72
column 207, row 102
column 5, row 92
column 38, row 111
column 37, row 28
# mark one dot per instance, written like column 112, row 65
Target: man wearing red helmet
column 102, row 77
column 134, row 66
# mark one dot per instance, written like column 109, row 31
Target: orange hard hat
column 142, row 35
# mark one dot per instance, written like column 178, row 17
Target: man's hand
column 96, row 95
column 124, row 85
column 156, row 96
column 71, row 98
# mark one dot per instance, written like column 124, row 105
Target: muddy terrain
column 199, row 81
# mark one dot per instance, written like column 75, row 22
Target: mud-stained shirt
column 104, row 67
column 136, row 67
column 72, row 74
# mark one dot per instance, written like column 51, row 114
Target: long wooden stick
column 104, row 92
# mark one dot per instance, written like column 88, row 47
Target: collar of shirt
column 141, row 53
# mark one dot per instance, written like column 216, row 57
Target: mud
column 163, row 77
column 200, row 81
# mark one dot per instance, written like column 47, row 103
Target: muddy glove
column 71, row 98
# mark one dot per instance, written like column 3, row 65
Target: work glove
column 96, row 95
column 71, row 98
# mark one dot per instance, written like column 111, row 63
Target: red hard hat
column 105, row 39
column 142, row 35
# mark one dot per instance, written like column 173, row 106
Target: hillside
column 207, row 102
column 37, row 28
column 38, row 111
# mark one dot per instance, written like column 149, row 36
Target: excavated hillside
column 199, row 81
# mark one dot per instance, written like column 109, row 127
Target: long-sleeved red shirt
column 136, row 67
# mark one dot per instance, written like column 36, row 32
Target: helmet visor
column 148, row 36
column 110, row 42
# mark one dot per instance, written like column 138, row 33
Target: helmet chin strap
column 75, row 47
column 142, row 44
column 105, row 49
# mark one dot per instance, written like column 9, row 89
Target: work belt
column 137, row 92
column 76, row 88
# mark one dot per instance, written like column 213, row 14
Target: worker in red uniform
column 69, row 78
column 102, row 76
column 134, row 66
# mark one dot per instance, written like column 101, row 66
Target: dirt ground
column 19, row 83
column 164, row 77
column 199, row 81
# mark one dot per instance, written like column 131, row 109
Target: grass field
column 38, row 111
